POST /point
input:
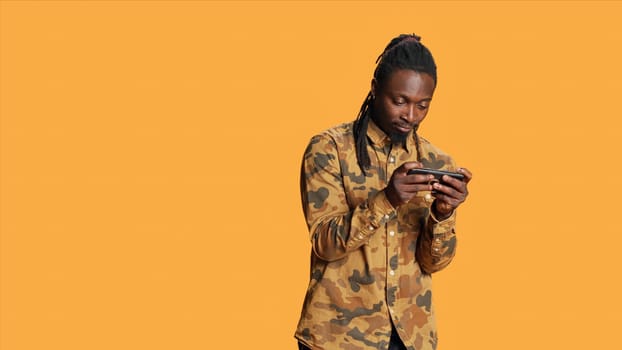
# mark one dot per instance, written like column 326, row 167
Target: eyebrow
column 422, row 100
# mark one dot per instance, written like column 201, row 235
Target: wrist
column 392, row 198
column 439, row 215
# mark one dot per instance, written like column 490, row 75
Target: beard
column 398, row 138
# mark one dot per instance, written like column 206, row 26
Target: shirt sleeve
column 436, row 246
column 335, row 228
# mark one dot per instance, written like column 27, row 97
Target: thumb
column 410, row 165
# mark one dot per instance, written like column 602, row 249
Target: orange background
column 150, row 155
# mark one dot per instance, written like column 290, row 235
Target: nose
column 411, row 114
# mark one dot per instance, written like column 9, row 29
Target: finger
column 408, row 166
column 446, row 201
column 414, row 188
column 459, row 185
column 448, row 191
column 467, row 174
column 419, row 179
column 412, row 165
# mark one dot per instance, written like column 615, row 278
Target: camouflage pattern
column 370, row 263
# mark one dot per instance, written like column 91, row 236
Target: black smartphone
column 438, row 174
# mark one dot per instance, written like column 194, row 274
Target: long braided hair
column 403, row 52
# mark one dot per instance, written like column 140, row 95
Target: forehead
column 409, row 82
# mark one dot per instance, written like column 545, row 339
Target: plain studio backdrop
column 150, row 155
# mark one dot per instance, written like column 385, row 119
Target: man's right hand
column 403, row 187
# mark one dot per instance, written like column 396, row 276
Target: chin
column 398, row 137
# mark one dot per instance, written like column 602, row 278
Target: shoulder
column 326, row 149
column 434, row 157
column 340, row 132
column 337, row 137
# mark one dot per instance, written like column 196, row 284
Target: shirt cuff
column 380, row 209
column 443, row 226
column 370, row 216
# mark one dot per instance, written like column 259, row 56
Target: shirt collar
column 378, row 137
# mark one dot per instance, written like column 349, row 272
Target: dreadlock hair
column 403, row 52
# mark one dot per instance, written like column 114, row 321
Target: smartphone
column 438, row 174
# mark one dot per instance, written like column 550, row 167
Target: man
column 378, row 233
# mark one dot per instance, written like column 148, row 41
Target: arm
column 335, row 228
column 436, row 246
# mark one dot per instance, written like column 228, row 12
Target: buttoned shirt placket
column 392, row 239
column 387, row 159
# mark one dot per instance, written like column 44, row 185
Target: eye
column 422, row 107
column 399, row 102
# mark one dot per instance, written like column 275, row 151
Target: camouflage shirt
column 370, row 263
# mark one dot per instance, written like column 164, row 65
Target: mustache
column 414, row 127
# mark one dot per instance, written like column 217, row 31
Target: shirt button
column 391, row 233
column 371, row 228
column 360, row 236
column 392, row 273
column 437, row 240
column 391, row 159
column 386, row 216
column 436, row 249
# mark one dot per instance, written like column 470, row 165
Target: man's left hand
column 450, row 193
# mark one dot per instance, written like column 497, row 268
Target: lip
column 404, row 128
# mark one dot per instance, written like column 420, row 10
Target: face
column 402, row 102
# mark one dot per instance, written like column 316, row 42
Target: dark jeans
column 394, row 344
